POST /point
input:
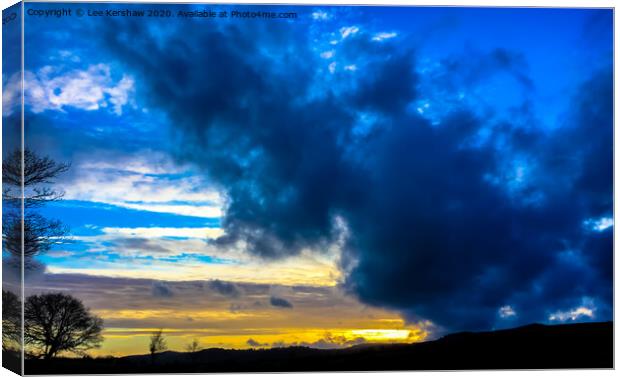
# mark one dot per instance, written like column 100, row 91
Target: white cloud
column 351, row 67
column 89, row 89
column 67, row 55
column 332, row 67
column 145, row 162
column 572, row 315
column 144, row 183
column 119, row 94
column 158, row 232
column 347, row 31
column 207, row 211
column 11, row 94
column 506, row 311
column 379, row 37
column 599, row 224
column 321, row 15
column 134, row 190
column 328, row 54
column 586, row 309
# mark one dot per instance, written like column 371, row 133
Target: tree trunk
column 50, row 353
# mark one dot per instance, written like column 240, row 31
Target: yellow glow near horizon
column 267, row 327
column 382, row 334
column 320, row 319
column 120, row 342
column 319, row 314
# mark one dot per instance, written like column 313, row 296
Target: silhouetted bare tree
column 194, row 346
column 11, row 321
column 157, row 344
column 38, row 173
column 56, row 322
column 193, row 349
column 40, row 234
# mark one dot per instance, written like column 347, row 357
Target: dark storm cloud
column 161, row 289
column 280, row 302
column 474, row 66
column 253, row 343
column 224, row 288
column 443, row 226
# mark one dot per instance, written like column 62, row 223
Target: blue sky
column 470, row 143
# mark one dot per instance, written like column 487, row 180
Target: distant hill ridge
column 582, row 345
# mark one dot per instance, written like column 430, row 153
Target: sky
column 354, row 174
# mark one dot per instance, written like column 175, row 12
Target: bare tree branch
column 55, row 322
column 11, row 321
column 157, row 344
column 39, row 234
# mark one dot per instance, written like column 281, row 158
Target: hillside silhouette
column 583, row 345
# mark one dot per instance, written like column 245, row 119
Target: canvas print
column 278, row 188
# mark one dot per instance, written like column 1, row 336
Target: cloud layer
column 203, row 310
column 448, row 219
column 467, row 184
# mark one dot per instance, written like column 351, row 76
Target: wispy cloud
column 177, row 260
column 155, row 232
column 11, row 94
column 587, row 310
column 321, row 15
column 379, row 37
column 506, row 311
column 348, row 30
column 149, row 182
